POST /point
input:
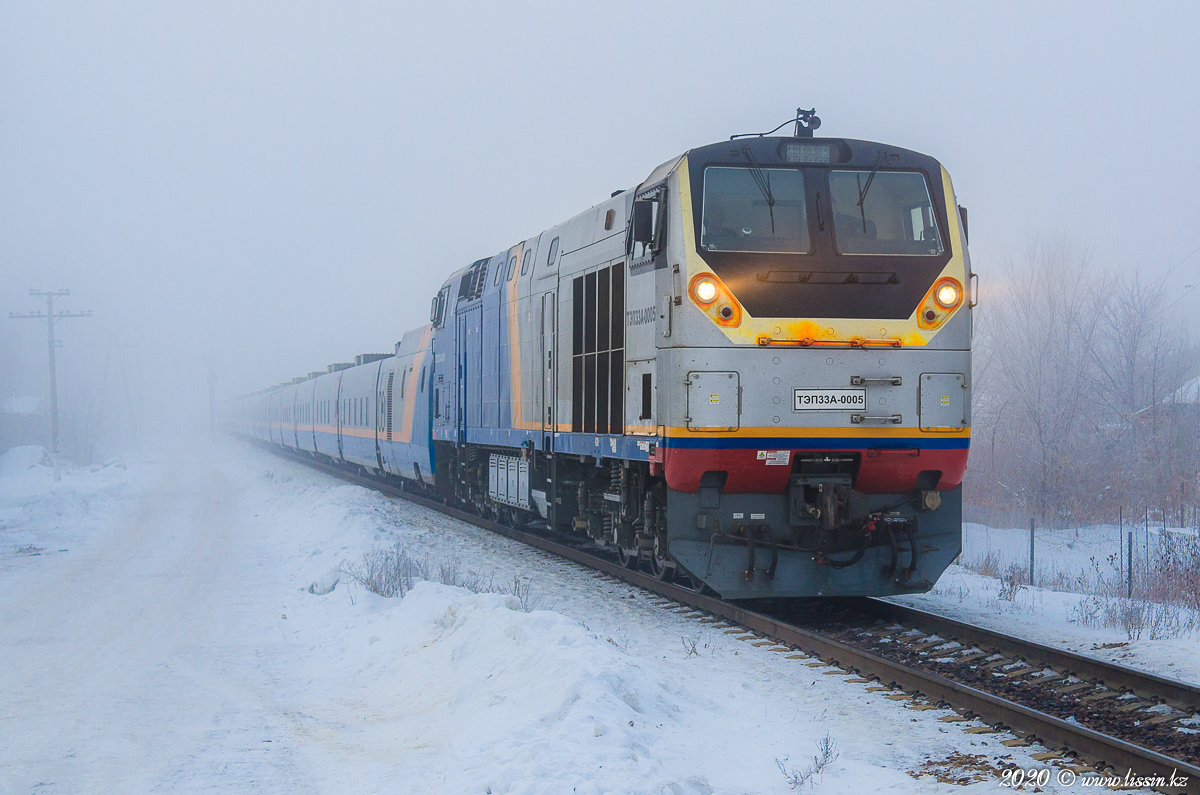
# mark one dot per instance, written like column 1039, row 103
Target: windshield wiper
column 864, row 189
column 763, row 181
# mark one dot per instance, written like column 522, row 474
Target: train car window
column 525, row 260
column 512, row 266
column 496, row 280
column 754, row 209
column 889, row 213
column 422, row 385
column 608, row 219
column 553, row 253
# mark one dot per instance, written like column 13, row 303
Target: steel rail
column 1111, row 675
column 1100, row 750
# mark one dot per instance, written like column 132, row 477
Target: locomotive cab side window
column 883, row 212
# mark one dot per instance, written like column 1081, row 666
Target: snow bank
column 36, row 512
column 18, row 459
column 514, row 701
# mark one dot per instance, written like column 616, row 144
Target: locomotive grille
column 598, row 352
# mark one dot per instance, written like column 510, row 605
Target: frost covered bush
column 1176, row 574
column 387, row 572
column 392, row 571
column 987, row 564
column 1136, row 617
column 798, row 777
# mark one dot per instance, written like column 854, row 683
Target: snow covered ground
column 159, row 633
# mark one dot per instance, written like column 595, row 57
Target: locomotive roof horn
column 806, row 121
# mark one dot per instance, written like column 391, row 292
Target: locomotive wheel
column 661, row 563
column 629, row 557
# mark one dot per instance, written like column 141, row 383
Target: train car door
column 383, row 404
column 470, row 370
column 338, row 417
column 549, row 305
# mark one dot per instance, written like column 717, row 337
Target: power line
column 50, row 317
column 1171, row 269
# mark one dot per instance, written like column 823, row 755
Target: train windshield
column 754, row 209
column 883, row 212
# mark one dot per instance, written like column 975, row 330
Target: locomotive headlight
column 947, row 295
column 705, row 290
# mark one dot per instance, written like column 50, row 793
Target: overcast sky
column 284, row 185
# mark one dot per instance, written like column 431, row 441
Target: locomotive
column 752, row 369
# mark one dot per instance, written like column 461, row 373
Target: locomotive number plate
column 829, row 399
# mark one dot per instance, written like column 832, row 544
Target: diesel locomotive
column 752, row 369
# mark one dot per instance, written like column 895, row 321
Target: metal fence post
column 1129, row 581
column 1031, row 530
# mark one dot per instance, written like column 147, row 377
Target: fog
column 279, row 186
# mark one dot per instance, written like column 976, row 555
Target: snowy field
column 1068, row 555
column 180, row 626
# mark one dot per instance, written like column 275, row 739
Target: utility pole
column 51, row 317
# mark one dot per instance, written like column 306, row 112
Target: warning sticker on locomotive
column 829, row 400
column 775, row 458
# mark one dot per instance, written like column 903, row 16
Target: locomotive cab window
column 754, row 209
column 885, row 212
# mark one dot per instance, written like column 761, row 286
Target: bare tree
column 1040, row 327
column 1077, row 410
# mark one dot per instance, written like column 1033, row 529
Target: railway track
column 1092, row 716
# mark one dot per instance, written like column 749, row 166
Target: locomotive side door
column 549, row 400
column 470, row 370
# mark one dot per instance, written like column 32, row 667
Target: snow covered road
column 143, row 661
column 176, row 646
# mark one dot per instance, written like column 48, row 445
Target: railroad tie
column 1098, row 696
column 1046, row 756
column 928, row 643
column 974, row 656
column 1161, row 719
column 1062, row 691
